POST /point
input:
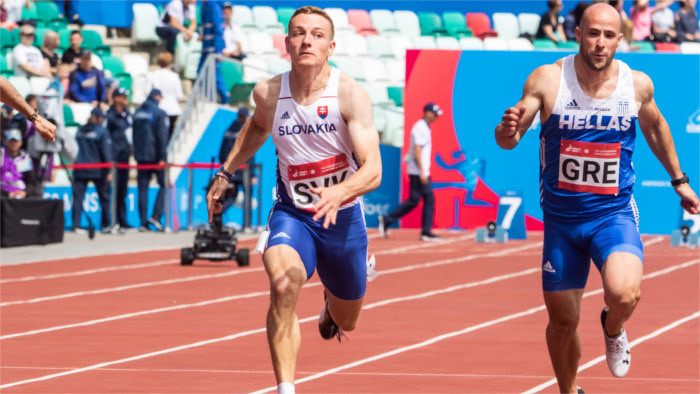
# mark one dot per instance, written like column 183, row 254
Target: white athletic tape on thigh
column 371, row 273
column 262, row 242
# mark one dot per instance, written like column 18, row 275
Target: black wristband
column 681, row 180
column 226, row 174
column 33, row 116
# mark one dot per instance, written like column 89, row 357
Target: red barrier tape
column 122, row 166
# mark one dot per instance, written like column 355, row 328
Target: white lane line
column 460, row 332
column 423, row 245
column 129, row 287
column 632, row 344
column 262, row 330
column 91, row 271
column 241, row 296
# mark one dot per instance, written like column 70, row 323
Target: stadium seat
column 471, row 43
column 39, row 36
column 569, row 45
column 6, row 41
column 278, row 65
column 379, row 118
column 362, row 22
column 396, row 70
column 5, row 71
column 668, row 47
column 379, row 46
column 529, row 23
column 396, row 95
column 383, row 21
column 340, row 20
column 184, row 48
column 263, row 44
column 407, row 22
column 399, row 44
column 357, row 45
column 48, row 12
column 39, row 84
column 255, row 69
column 100, row 29
column 143, row 27
column 266, row 19
column 81, row 112
column 424, row 42
column 284, row 14
column 341, row 47
column 431, row 24
column 113, row 64
column 93, row 41
column 68, row 119
column 544, row 44
column 690, row 47
column 447, row 43
column 520, row 44
column 350, row 67
column 644, row 46
column 191, row 64
column 96, row 62
column 480, row 25
column 64, row 39
column 278, row 43
column 21, row 84
column 377, row 92
column 374, row 70
column 135, row 64
column 506, row 25
column 31, row 12
column 243, row 17
column 456, row 24
column 495, row 44
column 232, row 72
column 394, row 126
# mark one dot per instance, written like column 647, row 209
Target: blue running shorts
column 339, row 253
column 569, row 247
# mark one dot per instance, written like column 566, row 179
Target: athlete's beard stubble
column 589, row 61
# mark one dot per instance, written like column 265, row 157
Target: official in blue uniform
column 94, row 146
column 213, row 41
column 150, row 135
column 118, row 122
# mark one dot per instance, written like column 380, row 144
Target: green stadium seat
column 39, row 36
column 396, row 95
column 31, row 12
column 644, row 46
column 232, row 72
column 568, row 45
column 49, row 13
column 456, row 24
column 431, row 24
column 6, row 39
column 506, row 24
column 240, row 93
column 544, row 44
column 93, row 41
column 125, row 81
column 64, row 38
column 68, row 118
column 113, row 64
column 284, row 14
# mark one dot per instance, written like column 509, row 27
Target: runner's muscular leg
column 345, row 313
column 287, row 275
column 622, row 279
column 564, row 308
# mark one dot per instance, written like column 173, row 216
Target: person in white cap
column 418, row 159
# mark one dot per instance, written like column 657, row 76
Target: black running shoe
column 327, row 327
column 580, row 390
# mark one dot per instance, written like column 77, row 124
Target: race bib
column 590, row 167
column 324, row 173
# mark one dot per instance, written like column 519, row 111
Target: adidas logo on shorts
column 548, row 267
column 285, row 115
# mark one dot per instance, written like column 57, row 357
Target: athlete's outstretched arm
column 658, row 136
column 517, row 120
column 356, row 109
column 10, row 96
column 251, row 137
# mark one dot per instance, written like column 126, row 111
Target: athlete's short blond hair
column 309, row 9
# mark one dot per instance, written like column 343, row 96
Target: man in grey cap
column 418, row 159
column 94, row 146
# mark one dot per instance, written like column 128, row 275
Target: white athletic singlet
column 313, row 146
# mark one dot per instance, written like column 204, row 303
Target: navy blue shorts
column 569, row 247
column 339, row 253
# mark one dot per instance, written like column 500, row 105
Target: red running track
column 454, row 316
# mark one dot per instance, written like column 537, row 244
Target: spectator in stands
column 549, row 23
column 627, row 42
column 118, row 122
column 663, row 28
column 418, row 159
column 63, row 74
column 687, row 21
column 618, row 4
column 173, row 22
column 28, row 61
column 150, row 135
column 48, row 50
column 16, row 173
column 11, row 12
column 87, row 84
column 67, row 9
column 573, row 20
column 226, row 145
column 94, row 146
column 169, row 84
column 641, row 14
column 233, row 35
column 213, row 42
column 72, row 54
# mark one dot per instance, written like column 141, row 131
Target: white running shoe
column 382, row 227
column 617, row 350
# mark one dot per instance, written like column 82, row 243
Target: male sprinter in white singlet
column 588, row 104
column 328, row 157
